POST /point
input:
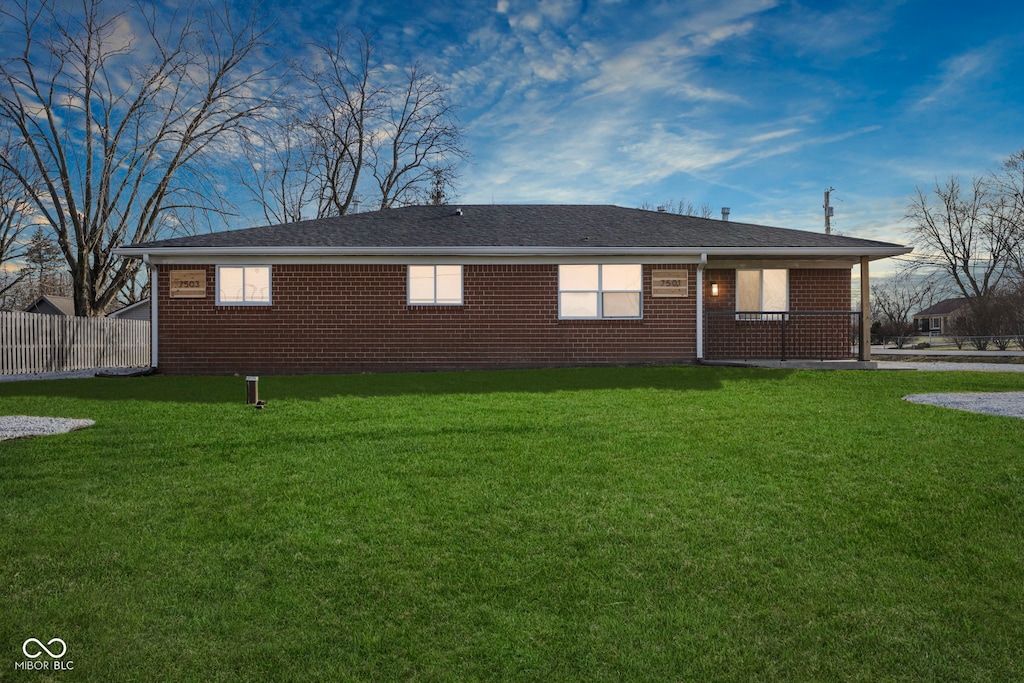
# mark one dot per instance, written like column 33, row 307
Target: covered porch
column 784, row 312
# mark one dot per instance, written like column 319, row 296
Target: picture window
column 243, row 286
column 600, row 291
column 761, row 291
column 435, row 285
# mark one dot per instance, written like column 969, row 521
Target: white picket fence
column 32, row 342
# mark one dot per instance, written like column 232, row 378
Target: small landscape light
column 252, row 391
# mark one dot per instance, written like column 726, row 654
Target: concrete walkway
column 873, row 364
column 1002, row 361
column 952, row 367
column 995, row 353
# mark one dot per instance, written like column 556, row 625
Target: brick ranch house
column 936, row 319
column 446, row 287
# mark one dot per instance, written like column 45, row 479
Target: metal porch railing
column 781, row 335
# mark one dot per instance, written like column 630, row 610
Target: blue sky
column 753, row 104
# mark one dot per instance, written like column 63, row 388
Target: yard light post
column 252, row 391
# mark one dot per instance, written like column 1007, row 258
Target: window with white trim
column 761, row 290
column 610, row 290
column 435, row 285
column 243, row 285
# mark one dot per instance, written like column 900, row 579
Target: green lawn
column 600, row 524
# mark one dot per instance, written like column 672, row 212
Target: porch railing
column 781, row 335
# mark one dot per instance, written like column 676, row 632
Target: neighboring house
column 936, row 319
column 52, row 305
column 485, row 286
column 136, row 311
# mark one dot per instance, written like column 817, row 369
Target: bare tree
column 896, row 298
column 963, row 231
column 683, row 207
column 348, row 101
column 361, row 131
column 44, row 266
column 280, row 173
column 441, row 187
column 13, row 222
column 1008, row 181
column 134, row 292
column 119, row 118
column 975, row 234
column 415, row 139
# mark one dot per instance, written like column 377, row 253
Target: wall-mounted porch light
column 714, row 289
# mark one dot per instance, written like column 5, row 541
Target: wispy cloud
column 757, row 104
column 754, row 154
column 579, row 109
column 773, row 135
column 662, row 64
column 837, row 33
column 959, row 75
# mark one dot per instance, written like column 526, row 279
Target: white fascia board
column 375, row 255
column 746, row 253
column 839, row 262
column 471, row 255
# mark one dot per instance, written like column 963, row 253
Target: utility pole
column 829, row 212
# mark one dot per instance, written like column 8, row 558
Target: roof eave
column 874, row 252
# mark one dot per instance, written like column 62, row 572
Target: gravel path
column 1007, row 403
column 18, row 426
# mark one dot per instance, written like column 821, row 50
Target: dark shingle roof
column 521, row 225
column 944, row 307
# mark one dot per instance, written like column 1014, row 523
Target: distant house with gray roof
column 49, row 304
column 136, row 311
column 936, row 319
column 500, row 286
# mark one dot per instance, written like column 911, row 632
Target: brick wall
column 810, row 289
column 354, row 318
